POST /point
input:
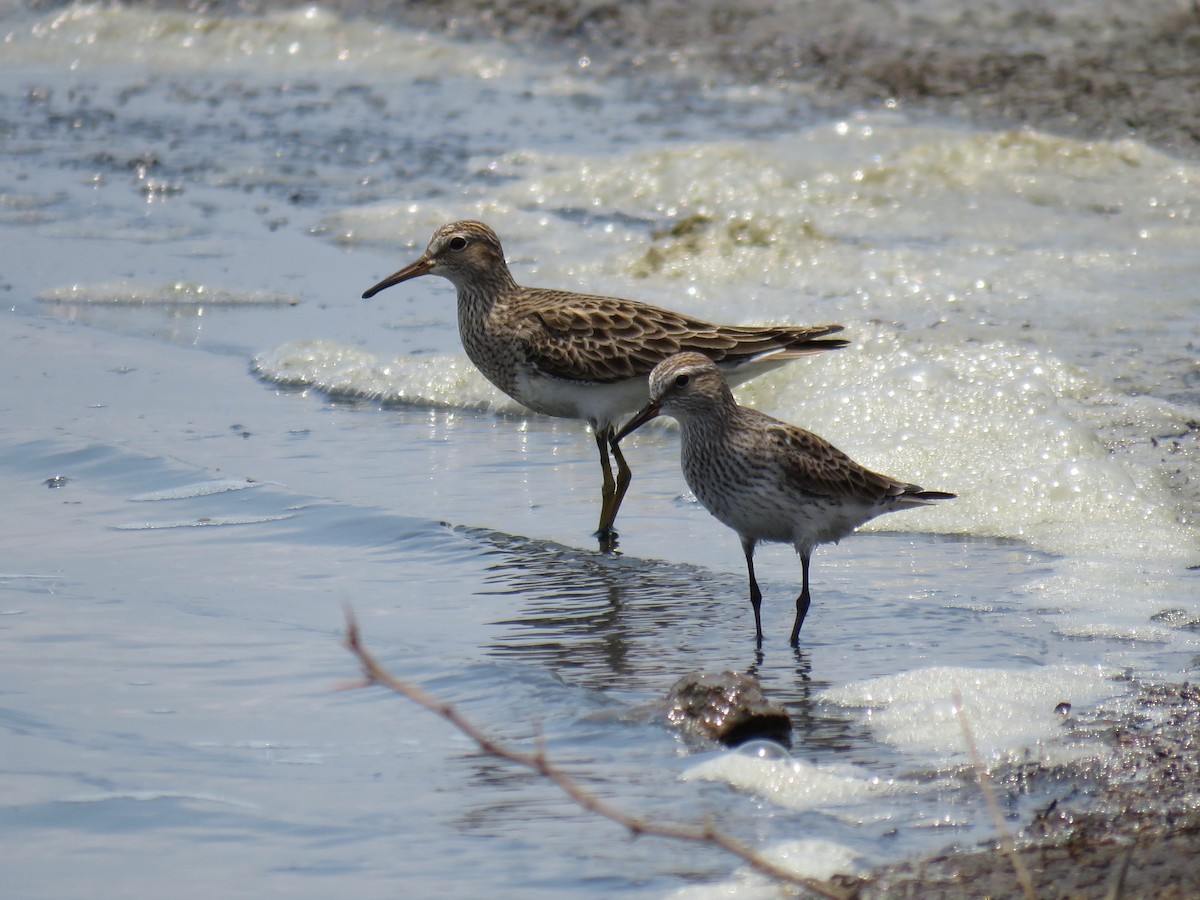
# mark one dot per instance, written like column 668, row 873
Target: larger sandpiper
column 581, row 356
column 766, row 479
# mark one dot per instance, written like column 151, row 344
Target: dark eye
column 682, row 380
column 457, row 243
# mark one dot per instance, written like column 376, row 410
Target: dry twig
column 375, row 674
column 984, row 779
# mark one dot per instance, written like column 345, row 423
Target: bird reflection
column 617, row 623
column 610, row 620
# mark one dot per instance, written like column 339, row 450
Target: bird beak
column 644, row 415
column 422, row 266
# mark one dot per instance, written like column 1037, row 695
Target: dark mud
column 1089, row 69
column 1126, row 825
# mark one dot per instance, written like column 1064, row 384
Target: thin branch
column 984, row 779
column 375, row 674
column 1117, row 888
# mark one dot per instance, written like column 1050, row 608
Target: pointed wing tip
column 933, row 496
column 808, row 348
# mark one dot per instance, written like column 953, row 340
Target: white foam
column 341, row 370
column 1006, row 710
column 1002, row 426
column 767, row 770
column 200, row 489
column 296, row 40
column 202, row 522
column 1116, row 598
column 877, row 210
column 790, row 782
column 124, row 292
column 816, row 859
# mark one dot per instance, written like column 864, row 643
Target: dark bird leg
column 755, row 593
column 802, row 601
column 609, row 499
column 624, row 476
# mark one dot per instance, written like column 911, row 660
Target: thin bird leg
column 802, row 601
column 755, row 593
column 624, row 476
column 608, row 489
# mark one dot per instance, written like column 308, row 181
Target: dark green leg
column 609, row 500
column 755, row 593
column 802, row 601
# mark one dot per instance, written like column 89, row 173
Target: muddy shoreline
column 1083, row 68
column 1087, row 69
column 1124, row 824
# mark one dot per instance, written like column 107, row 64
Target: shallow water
column 196, row 201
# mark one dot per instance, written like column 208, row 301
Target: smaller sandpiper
column 766, row 479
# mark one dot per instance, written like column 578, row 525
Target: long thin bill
column 412, row 270
column 644, row 415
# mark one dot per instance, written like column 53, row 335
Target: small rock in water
column 729, row 708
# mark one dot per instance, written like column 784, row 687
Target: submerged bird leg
column 802, row 601
column 755, row 593
column 609, row 501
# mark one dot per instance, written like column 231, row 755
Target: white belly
column 599, row 404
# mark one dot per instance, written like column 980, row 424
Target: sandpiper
column 766, row 479
column 581, row 356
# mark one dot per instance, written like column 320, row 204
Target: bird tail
column 801, row 340
column 762, row 349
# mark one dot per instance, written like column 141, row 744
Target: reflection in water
column 633, row 626
column 610, row 620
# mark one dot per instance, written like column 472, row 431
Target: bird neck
column 479, row 292
column 716, row 417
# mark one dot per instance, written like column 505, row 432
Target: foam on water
column 200, row 489
column 790, row 782
column 813, row 858
column 1012, row 717
column 131, row 293
column 1007, row 711
column 343, row 371
column 293, row 40
column 201, row 522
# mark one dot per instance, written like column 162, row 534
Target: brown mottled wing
column 581, row 337
column 816, row 467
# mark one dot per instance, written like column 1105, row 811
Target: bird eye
column 457, row 243
column 682, row 380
